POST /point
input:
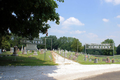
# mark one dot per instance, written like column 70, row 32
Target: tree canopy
column 77, row 45
column 102, row 51
column 108, row 52
column 27, row 18
column 118, row 49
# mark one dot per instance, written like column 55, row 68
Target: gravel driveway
column 66, row 70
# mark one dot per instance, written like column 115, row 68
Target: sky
column 90, row 21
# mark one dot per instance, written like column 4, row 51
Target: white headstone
column 39, row 50
column 11, row 50
column 31, row 47
column 35, row 53
column 24, row 51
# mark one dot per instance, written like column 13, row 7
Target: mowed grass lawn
column 81, row 58
column 26, row 59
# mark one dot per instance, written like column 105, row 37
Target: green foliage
column 62, row 43
column 4, row 42
column 102, row 52
column 118, row 50
column 15, row 41
column 107, row 52
column 77, row 46
column 27, row 18
column 65, row 43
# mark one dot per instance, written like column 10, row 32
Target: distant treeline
column 52, row 42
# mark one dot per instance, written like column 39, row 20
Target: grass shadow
column 26, row 67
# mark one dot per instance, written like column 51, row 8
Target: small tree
column 118, row 49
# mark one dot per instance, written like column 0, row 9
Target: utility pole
column 45, row 46
column 77, row 46
column 85, row 48
column 51, row 43
column 45, row 50
column 113, row 49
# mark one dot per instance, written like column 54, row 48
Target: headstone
column 96, row 60
column 11, row 49
column 103, row 59
column 113, row 61
column 90, row 60
column 85, row 58
column 18, row 50
column 59, row 52
column 88, row 56
column 0, row 51
column 28, row 51
column 15, row 51
column 35, row 53
column 69, row 56
column 76, row 54
column 41, row 51
column 44, row 51
column 24, row 51
column 31, row 47
column 108, row 60
column 63, row 54
column 50, row 58
column 74, row 57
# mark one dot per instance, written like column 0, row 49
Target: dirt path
column 70, row 70
column 62, row 61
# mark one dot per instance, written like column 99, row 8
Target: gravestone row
column 24, row 51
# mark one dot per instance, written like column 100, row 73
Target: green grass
column 81, row 60
column 26, row 59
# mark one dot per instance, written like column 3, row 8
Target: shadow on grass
column 23, row 61
column 26, row 68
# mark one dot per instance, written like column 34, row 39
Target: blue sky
column 90, row 21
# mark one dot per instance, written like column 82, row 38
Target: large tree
column 27, row 18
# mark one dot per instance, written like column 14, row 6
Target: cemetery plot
column 29, row 59
column 90, row 59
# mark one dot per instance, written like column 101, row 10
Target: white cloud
column 111, row 36
column 105, row 20
column 108, row 0
column 77, row 32
column 92, row 35
column 72, row 21
column 118, row 16
column 57, row 31
column 61, row 18
column 65, row 27
column 115, row 2
column 118, row 25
